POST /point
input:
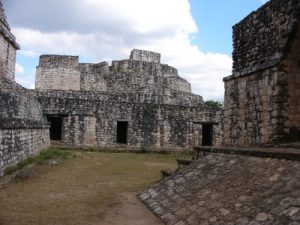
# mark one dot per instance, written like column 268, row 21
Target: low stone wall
column 18, row 144
column 23, row 129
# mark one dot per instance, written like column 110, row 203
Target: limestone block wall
column 255, row 108
column 18, row 102
column 8, row 48
column 262, row 37
column 146, row 56
column 261, row 97
column 292, row 66
column 141, row 73
column 177, row 83
column 18, row 144
column 56, row 72
column 79, row 130
column 93, row 76
column 94, row 116
column 23, row 130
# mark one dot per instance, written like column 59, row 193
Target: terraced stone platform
column 232, row 189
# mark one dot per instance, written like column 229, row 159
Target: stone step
column 279, row 153
column 165, row 173
column 183, row 163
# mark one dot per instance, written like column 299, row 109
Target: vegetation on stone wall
column 215, row 105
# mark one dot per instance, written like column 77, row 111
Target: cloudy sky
column 192, row 35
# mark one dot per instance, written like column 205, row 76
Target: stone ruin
column 139, row 102
column 134, row 104
column 262, row 97
column 23, row 128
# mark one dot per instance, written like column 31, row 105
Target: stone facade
column 150, row 99
column 262, row 96
column 23, row 129
column 141, row 73
column 8, row 48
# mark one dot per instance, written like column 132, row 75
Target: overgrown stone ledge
column 229, row 189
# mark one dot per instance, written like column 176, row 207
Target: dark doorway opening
column 122, row 127
column 207, row 134
column 55, row 128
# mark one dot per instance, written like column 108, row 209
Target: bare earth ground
column 90, row 189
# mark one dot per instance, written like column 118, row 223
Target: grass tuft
column 51, row 153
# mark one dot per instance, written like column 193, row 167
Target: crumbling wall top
column 262, row 39
column 49, row 61
column 146, row 56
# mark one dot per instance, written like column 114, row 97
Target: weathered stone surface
column 262, row 96
column 23, row 129
column 8, row 48
column 142, row 73
column 222, row 192
column 151, row 97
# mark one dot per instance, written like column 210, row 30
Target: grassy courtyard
column 80, row 189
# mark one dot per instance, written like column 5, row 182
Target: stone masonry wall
column 261, row 39
column 261, row 97
column 23, row 130
column 8, row 48
column 93, row 76
column 292, row 124
column 146, row 56
column 151, row 123
column 134, row 75
column 18, row 144
column 58, row 73
column 255, row 107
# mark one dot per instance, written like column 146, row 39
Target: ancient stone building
column 134, row 103
column 262, row 97
column 23, row 130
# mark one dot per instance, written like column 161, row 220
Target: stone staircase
column 181, row 163
column 230, row 186
column 289, row 151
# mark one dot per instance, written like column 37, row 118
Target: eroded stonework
column 262, row 98
column 150, row 99
column 23, row 128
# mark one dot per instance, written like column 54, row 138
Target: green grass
column 42, row 156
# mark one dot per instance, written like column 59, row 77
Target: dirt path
column 129, row 211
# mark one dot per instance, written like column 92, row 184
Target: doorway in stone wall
column 55, row 127
column 207, row 134
column 122, row 128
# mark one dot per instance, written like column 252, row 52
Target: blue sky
column 215, row 19
column 194, row 36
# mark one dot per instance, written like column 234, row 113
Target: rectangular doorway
column 207, row 134
column 55, row 127
column 122, row 127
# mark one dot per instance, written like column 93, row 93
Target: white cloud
column 28, row 53
column 19, row 68
column 105, row 30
